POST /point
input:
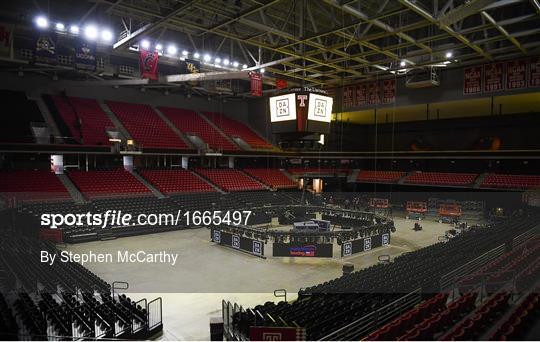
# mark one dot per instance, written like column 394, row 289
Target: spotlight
column 145, row 44
column 226, row 61
column 235, row 64
column 196, row 55
column 74, row 29
column 106, row 35
column 42, row 22
column 207, row 57
column 171, row 50
column 262, row 70
column 448, row 54
column 60, row 26
column 244, row 66
column 217, row 60
column 402, row 63
column 159, row 47
column 185, row 53
column 90, row 32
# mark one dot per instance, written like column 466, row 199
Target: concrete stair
column 173, row 127
column 146, row 183
column 45, row 112
column 74, row 192
column 217, row 129
column 478, row 181
column 218, row 189
column 402, row 179
column 119, row 126
column 353, row 176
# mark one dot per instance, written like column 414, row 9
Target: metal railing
column 364, row 325
column 450, row 278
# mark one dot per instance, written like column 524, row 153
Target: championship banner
column 6, row 36
column 85, row 55
column 373, row 93
column 534, row 72
column 281, row 84
column 348, row 97
column 472, row 80
column 148, row 64
column 256, row 83
column 516, row 74
column 493, row 77
column 45, row 47
column 361, row 95
column 389, row 91
column 190, row 66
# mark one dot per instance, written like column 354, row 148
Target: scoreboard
column 302, row 111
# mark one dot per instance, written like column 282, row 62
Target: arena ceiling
column 317, row 42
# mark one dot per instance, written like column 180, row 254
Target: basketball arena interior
column 276, row 170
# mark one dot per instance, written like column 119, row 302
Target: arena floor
column 205, row 273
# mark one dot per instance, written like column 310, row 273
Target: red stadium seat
column 370, row 176
column 272, row 177
column 32, row 185
column 511, row 181
column 176, row 181
column 110, row 183
column 230, row 180
column 190, row 122
column 146, row 127
column 441, row 178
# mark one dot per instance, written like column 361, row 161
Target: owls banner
column 45, row 47
column 148, row 62
column 85, row 55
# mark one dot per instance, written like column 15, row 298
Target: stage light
column 42, row 22
column 159, row 47
column 90, row 32
column 185, row 53
column 448, row 54
column 106, row 35
column 217, row 60
column 262, row 70
column 145, row 44
column 171, row 50
column 196, row 55
column 60, row 26
column 74, row 29
column 235, row 64
column 226, row 61
column 244, row 66
column 207, row 57
column 402, row 63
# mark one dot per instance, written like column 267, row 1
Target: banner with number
column 373, row 92
column 361, row 95
column 493, row 77
column 472, row 80
column 6, row 37
column 85, row 55
column 534, row 72
column 45, row 47
column 516, row 74
column 389, row 91
column 348, row 97
column 148, row 64
column 256, row 83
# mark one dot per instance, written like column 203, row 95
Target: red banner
column 361, row 96
column 472, row 80
column 277, row 334
column 534, row 72
column 256, row 83
column 373, row 96
column 148, row 63
column 493, row 77
column 516, row 74
column 281, row 84
column 389, row 91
